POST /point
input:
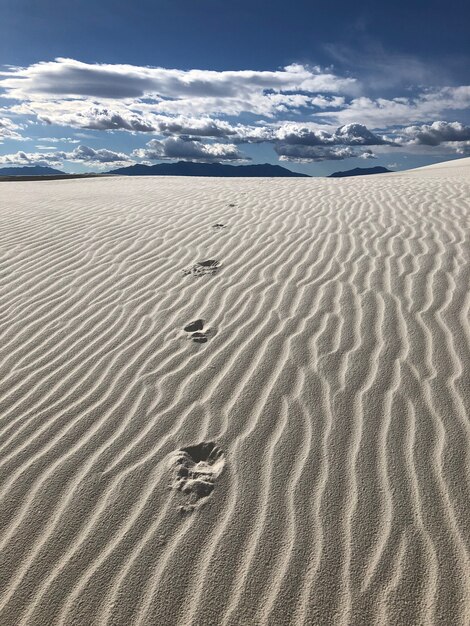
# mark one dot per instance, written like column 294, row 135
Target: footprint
column 194, row 326
column 197, row 334
column 199, row 337
column 202, row 268
column 218, row 226
column 232, row 205
column 195, row 470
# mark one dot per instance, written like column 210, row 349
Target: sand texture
column 235, row 402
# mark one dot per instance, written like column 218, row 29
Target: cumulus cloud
column 358, row 135
column 348, row 135
column 189, row 150
column 31, row 158
column 213, row 128
column 195, row 127
column 90, row 155
column 81, row 154
column 306, row 154
column 299, row 143
column 292, row 141
column 436, row 133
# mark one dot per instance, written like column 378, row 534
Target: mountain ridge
column 361, row 171
column 30, row 170
column 191, row 168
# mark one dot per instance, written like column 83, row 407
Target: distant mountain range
column 189, row 168
column 33, row 170
column 360, row 171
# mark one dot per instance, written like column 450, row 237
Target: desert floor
column 302, row 459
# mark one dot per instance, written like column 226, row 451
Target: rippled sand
column 235, row 402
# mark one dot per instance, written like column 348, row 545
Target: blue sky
column 316, row 87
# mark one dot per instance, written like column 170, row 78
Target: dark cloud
column 186, row 127
column 104, row 119
column 96, row 118
column 301, row 153
column 187, row 149
column 297, row 143
column 205, row 127
column 347, row 135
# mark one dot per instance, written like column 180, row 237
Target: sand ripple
column 331, row 377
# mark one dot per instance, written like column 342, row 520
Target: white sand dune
column 327, row 383
column 457, row 167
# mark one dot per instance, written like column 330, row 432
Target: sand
column 235, row 402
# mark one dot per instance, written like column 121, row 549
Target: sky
column 316, row 87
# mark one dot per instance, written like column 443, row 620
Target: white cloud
column 190, row 150
column 30, row 158
column 58, row 139
column 81, row 154
column 183, row 107
column 383, row 112
column 160, row 115
column 8, row 130
column 325, row 102
column 436, row 133
column 463, row 148
column 172, row 90
column 82, row 114
column 358, row 135
column 102, row 118
column 85, row 154
column 368, row 154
